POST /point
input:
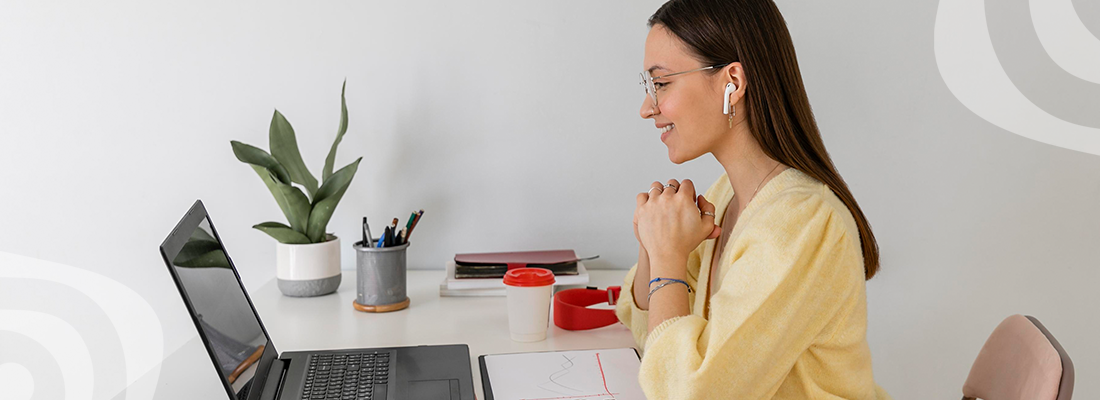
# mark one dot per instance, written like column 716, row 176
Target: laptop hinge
column 273, row 385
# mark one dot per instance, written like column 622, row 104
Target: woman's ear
column 734, row 73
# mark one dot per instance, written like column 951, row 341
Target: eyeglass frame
column 651, row 90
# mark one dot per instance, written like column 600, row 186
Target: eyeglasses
column 650, row 88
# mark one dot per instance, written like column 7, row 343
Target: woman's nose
column 648, row 110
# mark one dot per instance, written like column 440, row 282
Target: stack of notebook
column 481, row 274
column 495, row 265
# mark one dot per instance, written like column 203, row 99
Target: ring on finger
column 656, row 188
column 669, row 185
column 708, row 213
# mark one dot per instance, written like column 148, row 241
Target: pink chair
column 1021, row 360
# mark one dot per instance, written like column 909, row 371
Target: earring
column 731, row 118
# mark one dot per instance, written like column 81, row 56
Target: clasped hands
column 671, row 220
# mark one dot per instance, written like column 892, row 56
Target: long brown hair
column 754, row 33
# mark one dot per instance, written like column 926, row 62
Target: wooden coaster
column 383, row 308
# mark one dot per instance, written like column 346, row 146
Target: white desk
column 330, row 322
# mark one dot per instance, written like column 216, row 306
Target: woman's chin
column 677, row 157
column 673, row 157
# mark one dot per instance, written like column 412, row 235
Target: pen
column 367, row 238
column 381, row 239
column 401, row 237
column 393, row 225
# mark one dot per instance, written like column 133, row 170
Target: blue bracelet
column 655, row 280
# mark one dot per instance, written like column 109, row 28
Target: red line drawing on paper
column 604, row 378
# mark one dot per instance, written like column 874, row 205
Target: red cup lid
column 529, row 277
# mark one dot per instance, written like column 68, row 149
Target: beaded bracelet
column 668, row 282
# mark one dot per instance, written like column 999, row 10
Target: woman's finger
column 705, row 206
column 642, row 198
column 687, row 187
column 675, row 186
column 655, row 189
column 707, row 210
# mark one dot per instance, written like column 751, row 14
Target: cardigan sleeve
column 795, row 270
column 628, row 312
column 637, row 319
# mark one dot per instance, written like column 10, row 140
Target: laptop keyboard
column 347, row 376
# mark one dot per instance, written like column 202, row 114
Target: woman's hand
column 669, row 221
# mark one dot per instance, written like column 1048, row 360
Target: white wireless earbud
column 730, row 88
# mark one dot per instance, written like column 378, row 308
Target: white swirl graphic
column 62, row 341
column 16, row 381
column 139, row 329
column 1066, row 39
column 971, row 70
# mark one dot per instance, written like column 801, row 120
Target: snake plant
column 308, row 213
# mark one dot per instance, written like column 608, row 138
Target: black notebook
column 498, row 271
column 495, row 265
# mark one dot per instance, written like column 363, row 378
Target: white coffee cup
column 529, row 293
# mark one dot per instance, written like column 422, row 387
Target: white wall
column 514, row 125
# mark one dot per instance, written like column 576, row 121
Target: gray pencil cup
column 380, row 277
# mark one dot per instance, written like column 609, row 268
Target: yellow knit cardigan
column 789, row 320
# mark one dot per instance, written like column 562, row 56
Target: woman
column 764, row 298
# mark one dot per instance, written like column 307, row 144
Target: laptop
column 252, row 369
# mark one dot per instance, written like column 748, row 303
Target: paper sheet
column 606, row 374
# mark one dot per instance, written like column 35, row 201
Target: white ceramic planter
column 306, row 270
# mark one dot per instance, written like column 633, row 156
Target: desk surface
column 330, row 322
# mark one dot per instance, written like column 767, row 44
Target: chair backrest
column 1020, row 361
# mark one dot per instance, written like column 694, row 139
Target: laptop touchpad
column 441, row 389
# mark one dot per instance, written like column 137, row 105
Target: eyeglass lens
column 647, row 84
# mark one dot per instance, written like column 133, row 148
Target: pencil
column 409, row 225
column 414, row 223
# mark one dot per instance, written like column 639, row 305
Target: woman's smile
column 666, row 130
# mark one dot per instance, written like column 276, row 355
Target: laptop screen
column 232, row 331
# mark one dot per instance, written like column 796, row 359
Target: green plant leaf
column 284, row 234
column 294, row 204
column 249, row 154
column 336, row 184
column 284, row 147
column 328, row 196
column 331, row 159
